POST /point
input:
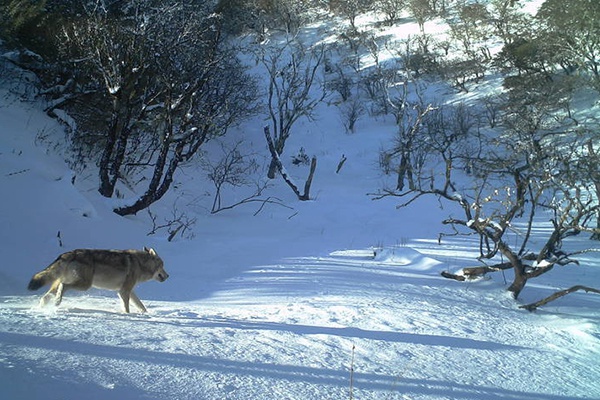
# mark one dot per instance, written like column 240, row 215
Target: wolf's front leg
column 59, row 294
column 137, row 302
column 46, row 298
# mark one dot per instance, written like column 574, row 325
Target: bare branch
column 557, row 295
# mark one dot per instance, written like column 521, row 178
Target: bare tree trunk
column 278, row 145
column 107, row 186
column 403, row 170
column 160, row 183
column 518, row 283
column 113, row 154
column 308, row 183
column 276, row 160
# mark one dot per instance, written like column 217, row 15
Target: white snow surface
column 339, row 297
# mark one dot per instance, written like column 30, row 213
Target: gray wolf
column 118, row 270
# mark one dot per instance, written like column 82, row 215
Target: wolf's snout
column 162, row 276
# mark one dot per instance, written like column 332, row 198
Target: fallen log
column 476, row 272
column 456, row 277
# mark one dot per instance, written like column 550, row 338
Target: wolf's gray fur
column 118, row 270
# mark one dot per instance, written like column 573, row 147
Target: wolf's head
column 159, row 273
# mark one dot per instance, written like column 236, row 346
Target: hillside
column 338, row 297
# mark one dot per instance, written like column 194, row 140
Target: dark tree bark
column 160, row 182
column 557, row 295
column 276, row 161
column 115, row 148
column 107, row 186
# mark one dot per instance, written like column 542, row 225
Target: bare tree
column 470, row 27
column 422, row 11
column 513, row 176
column 350, row 9
column 571, row 32
column 351, row 111
column 292, row 93
column 233, row 168
column 166, row 83
column 461, row 72
column 109, row 56
column 178, row 223
column 304, row 195
column 508, row 20
column 391, row 8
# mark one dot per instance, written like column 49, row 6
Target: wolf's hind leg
column 59, row 294
column 124, row 296
column 137, row 302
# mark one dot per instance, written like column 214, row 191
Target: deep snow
column 339, row 297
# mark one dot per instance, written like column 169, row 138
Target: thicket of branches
column 509, row 161
column 147, row 83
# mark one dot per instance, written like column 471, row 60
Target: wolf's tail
column 42, row 278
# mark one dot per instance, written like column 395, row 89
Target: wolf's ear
column 150, row 250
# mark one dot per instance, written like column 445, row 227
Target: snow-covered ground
column 339, row 297
column 296, row 330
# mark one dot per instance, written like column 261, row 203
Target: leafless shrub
column 178, row 223
column 461, row 72
column 351, row 112
column 232, row 168
column 492, row 110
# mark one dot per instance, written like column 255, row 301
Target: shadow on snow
column 312, row 375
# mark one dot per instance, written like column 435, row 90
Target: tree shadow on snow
column 345, row 332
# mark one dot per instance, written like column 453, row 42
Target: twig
column 352, row 373
column 269, row 201
column 341, row 164
column 18, row 172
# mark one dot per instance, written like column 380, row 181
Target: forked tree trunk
column 160, row 183
column 278, row 165
column 278, row 145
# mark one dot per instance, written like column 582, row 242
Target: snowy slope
column 339, row 297
column 265, row 307
column 295, row 330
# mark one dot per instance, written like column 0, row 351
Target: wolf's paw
column 47, row 299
